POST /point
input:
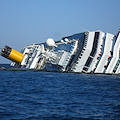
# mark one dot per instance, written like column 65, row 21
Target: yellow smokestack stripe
column 15, row 56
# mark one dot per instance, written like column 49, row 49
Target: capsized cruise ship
column 87, row 52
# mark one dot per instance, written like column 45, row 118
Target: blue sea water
column 29, row 95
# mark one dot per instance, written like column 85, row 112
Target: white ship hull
column 88, row 52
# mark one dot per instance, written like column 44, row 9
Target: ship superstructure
column 87, row 52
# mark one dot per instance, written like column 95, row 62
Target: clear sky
column 24, row 22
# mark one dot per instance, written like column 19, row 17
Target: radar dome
column 50, row 42
column 66, row 40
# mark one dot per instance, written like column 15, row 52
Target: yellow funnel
column 12, row 54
